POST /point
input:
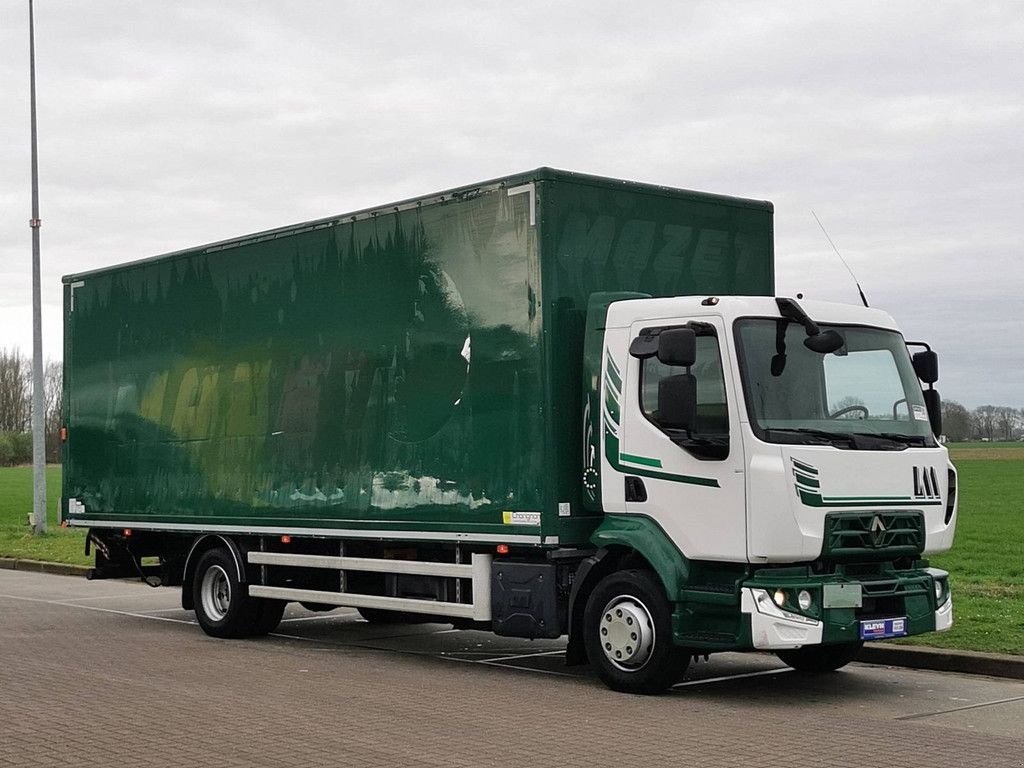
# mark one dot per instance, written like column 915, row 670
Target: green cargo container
column 411, row 371
column 545, row 405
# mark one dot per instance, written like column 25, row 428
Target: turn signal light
column 63, row 434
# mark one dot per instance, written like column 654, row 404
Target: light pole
column 38, row 400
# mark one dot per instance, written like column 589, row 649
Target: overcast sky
column 165, row 125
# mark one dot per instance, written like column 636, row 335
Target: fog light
column 779, row 597
column 804, row 599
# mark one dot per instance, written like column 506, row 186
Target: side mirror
column 926, row 366
column 824, row 342
column 934, row 405
column 677, row 347
column 677, row 401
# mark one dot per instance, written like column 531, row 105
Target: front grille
column 874, row 535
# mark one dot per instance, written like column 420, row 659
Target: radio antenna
column 855, row 281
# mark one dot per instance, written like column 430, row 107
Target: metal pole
column 38, row 399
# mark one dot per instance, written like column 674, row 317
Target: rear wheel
column 222, row 603
column 627, row 630
column 821, row 658
column 268, row 616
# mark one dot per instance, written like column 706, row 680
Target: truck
column 545, row 405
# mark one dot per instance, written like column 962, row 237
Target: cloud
column 164, row 126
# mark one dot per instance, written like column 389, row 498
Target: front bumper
column 773, row 628
column 904, row 594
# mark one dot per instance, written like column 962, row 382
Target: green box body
column 414, row 368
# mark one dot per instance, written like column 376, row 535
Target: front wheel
column 627, row 630
column 821, row 658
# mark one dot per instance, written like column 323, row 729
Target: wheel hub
column 627, row 633
column 216, row 593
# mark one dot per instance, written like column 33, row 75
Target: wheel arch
column 201, row 546
column 623, row 542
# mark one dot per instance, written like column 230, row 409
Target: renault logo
column 877, row 530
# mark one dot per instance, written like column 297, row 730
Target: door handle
column 635, row 489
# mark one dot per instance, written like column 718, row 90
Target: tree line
column 16, row 408
column 986, row 422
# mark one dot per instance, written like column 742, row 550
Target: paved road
column 115, row 673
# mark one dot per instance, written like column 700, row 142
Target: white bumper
column 944, row 616
column 772, row 628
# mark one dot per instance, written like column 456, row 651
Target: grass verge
column 986, row 564
column 16, row 539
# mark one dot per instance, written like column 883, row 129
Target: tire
column 384, row 616
column 818, row 659
column 222, row 603
column 644, row 661
column 268, row 616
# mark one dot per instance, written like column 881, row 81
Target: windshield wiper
column 858, row 441
column 919, row 440
column 796, row 433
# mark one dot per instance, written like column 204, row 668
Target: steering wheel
column 850, row 409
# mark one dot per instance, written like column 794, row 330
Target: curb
column 944, row 660
column 39, row 566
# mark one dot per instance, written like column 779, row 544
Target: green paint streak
column 866, row 498
column 640, row 460
column 611, row 452
column 817, row 500
column 613, row 375
column 612, row 406
column 808, row 482
column 804, row 467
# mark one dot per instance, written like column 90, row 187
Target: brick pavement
column 87, row 687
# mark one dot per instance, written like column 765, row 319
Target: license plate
column 879, row 629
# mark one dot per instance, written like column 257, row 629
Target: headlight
column 804, row 600
column 938, row 589
column 779, row 596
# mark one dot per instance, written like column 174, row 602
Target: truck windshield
column 863, row 396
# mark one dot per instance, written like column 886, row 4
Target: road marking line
column 96, row 608
column 529, row 655
column 484, row 662
column 960, row 709
column 723, row 678
column 165, row 610
column 96, row 597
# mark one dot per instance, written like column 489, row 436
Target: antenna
column 855, row 281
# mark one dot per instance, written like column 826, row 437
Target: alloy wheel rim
column 626, row 631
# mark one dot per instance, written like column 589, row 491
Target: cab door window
column 709, row 438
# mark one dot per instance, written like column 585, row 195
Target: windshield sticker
column 920, row 412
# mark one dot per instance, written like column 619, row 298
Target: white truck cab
column 790, row 438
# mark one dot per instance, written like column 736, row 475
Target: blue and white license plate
column 879, row 629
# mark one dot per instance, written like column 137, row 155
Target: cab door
column 691, row 482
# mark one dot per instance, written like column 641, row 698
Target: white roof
column 730, row 308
